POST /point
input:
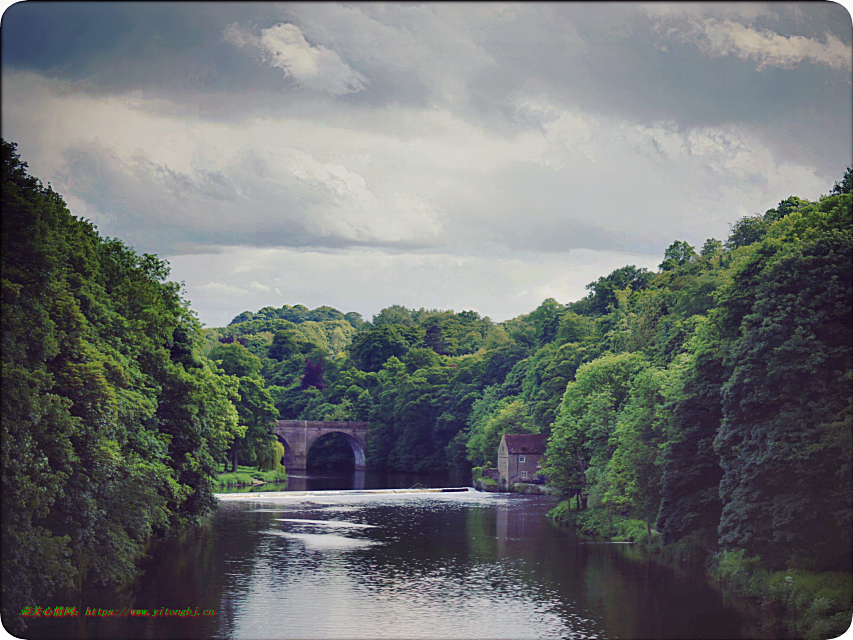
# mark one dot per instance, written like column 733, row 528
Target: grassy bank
column 245, row 477
column 599, row 523
column 814, row 605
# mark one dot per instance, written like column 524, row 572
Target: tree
column 243, row 317
column 711, row 248
column 257, row 414
column 112, row 421
column 546, row 320
column 314, row 372
column 746, row 231
column 603, row 291
column 509, row 415
column 236, row 360
column 371, row 349
column 678, row 254
column 395, row 314
column 581, row 437
column 419, row 358
column 787, row 206
column 434, row 339
column 355, row 320
column 845, row 185
column 634, row 476
column 784, row 442
column 691, row 472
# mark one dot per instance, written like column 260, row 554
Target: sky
column 481, row 156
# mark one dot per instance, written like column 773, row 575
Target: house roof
column 533, row 443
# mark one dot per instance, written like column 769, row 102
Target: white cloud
column 768, row 48
column 257, row 286
column 747, row 12
column 724, row 29
column 316, row 67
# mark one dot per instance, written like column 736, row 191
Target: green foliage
column 845, row 185
column 678, row 254
column 113, row 423
column 561, row 513
column 581, row 439
column 395, row 314
column 270, row 458
column 790, row 205
column 236, row 360
column 691, row 473
column 546, row 320
column 509, row 415
column 784, row 441
column 372, row 348
column 602, row 294
column 818, row 605
column 634, row 469
column 746, row 231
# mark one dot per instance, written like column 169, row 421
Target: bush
column 693, row 548
column 560, row 513
column 633, row 530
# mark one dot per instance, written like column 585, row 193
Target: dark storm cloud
column 617, row 70
column 170, row 49
column 620, row 60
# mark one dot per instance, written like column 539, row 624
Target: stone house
column 521, row 457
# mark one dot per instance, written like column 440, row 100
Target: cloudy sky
column 477, row 156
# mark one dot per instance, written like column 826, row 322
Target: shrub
column 560, row 513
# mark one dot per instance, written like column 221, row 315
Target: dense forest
column 709, row 401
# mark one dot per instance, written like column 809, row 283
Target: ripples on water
column 333, row 564
column 384, row 572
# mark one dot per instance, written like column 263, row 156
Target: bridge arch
column 355, row 445
column 297, row 436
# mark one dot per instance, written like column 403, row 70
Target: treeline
column 114, row 424
column 721, row 411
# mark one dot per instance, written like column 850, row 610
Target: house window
column 538, row 465
column 521, row 458
column 523, row 474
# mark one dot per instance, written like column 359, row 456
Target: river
column 323, row 562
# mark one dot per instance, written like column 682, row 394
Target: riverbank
column 600, row 524
column 248, row 477
column 789, row 603
column 812, row 605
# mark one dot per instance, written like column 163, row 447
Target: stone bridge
column 297, row 436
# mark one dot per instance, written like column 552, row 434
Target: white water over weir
column 320, row 494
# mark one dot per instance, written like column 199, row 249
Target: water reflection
column 405, row 565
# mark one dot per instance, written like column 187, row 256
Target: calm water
column 349, row 564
